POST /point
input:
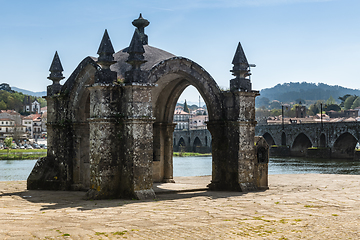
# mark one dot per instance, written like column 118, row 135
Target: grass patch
column 190, row 154
column 23, row 150
column 312, row 206
column 120, row 233
column 22, row 156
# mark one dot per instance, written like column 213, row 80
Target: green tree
column 333, row 107
column 275, row 105
column 349, row 102
column 313, row 109
column 275, row 112
column 343, row 99
column 356, row 103
column 330, row 101
column 3, row 105
column 186, row 108
column 8, row 143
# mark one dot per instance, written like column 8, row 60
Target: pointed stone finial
column 136, row 51
column 240, row 71
column 135, row 59
column 106, row 52
column 56, row 75
column 141, row 23
column 56, row 70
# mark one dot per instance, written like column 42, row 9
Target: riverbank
column 307, row 206
column 22, row 154
column 190, row 154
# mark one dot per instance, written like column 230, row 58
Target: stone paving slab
column 302, row 206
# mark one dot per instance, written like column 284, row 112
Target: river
column 11, row 170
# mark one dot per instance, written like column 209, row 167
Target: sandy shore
column 303, row 206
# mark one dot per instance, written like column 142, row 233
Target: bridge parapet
column 341, row 138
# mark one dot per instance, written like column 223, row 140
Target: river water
column 11, row 170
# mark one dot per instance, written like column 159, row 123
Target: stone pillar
column 104, row 165
column 219, row 154
column 244, row 129
column 137, row 142
column 168, row 130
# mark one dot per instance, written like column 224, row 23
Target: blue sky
column 288, row 40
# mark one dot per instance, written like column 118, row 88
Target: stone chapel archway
column 110, row 125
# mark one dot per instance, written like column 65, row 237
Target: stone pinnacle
column 56, row 69
column 106, row 51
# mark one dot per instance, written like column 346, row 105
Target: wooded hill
column 290, row 92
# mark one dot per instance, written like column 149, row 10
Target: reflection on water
column 11, row 170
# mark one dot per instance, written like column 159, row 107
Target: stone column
column 244, row 129
column 137, row 141
column 104, row 166
column 219, row 154
column 168, row 129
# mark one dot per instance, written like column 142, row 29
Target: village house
column 33, row 125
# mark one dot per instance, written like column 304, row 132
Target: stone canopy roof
column 152, row 55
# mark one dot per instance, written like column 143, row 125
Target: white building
column 198, row 122
column 33, row 125
column 181, row 119
column 8, row 128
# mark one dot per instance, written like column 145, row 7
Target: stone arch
column 171, row 77
column 344, row 146
column 181, row 143
column 283, row 139
column 75, row 89
column 197, row 145
column 76, row 96
column 269, row 139
column 300, row 145
column 322, row 140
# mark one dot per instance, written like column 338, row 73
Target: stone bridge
column 192, row 141
column 334, row 140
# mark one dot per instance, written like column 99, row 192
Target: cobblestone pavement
column 303, row 206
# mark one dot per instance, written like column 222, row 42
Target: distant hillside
column 27, row 92
column 289, row 92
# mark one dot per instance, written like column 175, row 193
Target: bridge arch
column 283, row 139
column 300, row 145
column 322, row 140
column 197, row 144
column 344, row 146
column 269, row 139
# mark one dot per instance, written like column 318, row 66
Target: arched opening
column 269, row 139
column 172, row 77
column 79, row 106
column 283, row 139
column 181, row 145
column 196, row 132
column 344, row 146
column 197, row 145
column 322, row 140
column 300, row 145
